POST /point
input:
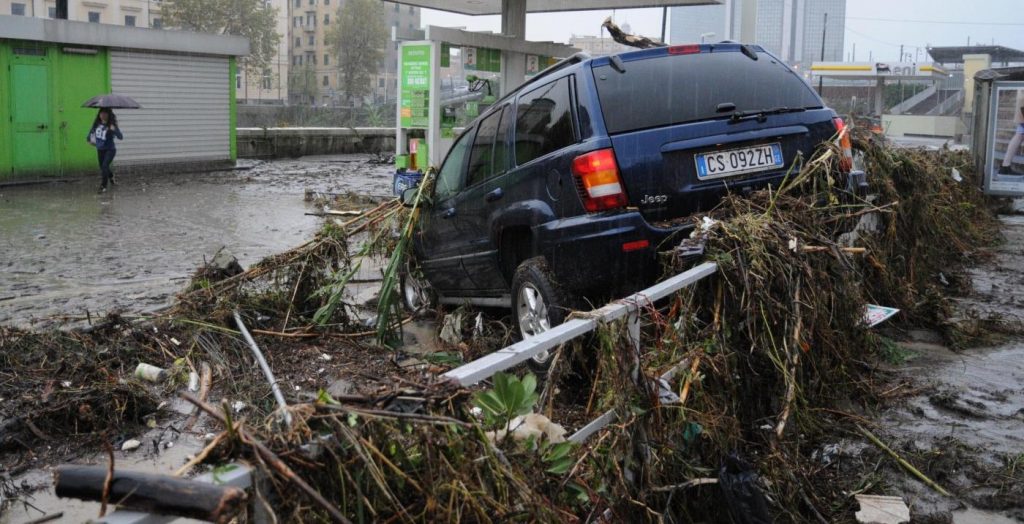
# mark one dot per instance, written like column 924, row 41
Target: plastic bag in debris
column 743, row 497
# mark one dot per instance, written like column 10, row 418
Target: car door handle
column 494, row 195
column 448, row 213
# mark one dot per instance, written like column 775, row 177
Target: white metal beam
column 507, row 357
column 493, row 7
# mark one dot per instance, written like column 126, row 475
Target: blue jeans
column 105, row 156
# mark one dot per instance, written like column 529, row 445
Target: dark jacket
column 104, row 136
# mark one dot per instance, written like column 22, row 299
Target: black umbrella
column 112, row 101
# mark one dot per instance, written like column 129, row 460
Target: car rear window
column 673, row 89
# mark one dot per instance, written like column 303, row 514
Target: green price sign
column 415, row 89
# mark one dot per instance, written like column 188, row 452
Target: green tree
column 357, row 42
column 302, row 83
column 253, row 19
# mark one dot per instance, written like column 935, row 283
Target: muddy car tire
column 416, row 293
column 538, row 304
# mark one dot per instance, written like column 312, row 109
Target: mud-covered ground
column 67, row 251
column 958, row 416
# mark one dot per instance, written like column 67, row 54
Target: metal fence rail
column 486, row 366
column 630, row 307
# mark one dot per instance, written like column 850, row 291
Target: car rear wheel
column 416, row 292
column 538, row 304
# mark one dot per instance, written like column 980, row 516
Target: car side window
column 544, row 121
column 481, row 157
column 449, row 178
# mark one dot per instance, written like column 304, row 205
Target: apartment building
column 267, row 87
column 315, row 73
column 131, row 13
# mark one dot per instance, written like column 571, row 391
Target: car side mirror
column 408, row 197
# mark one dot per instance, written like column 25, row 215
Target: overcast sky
column 877, row 27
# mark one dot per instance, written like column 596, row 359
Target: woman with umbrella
column 105, row 129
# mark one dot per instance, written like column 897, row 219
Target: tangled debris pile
column 770, row 358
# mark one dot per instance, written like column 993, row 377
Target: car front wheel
column 417, row 294
column 538, row 304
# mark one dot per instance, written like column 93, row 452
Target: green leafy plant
column 510, row 398
column 557, row 457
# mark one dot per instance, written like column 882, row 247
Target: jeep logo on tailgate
column 653, row 199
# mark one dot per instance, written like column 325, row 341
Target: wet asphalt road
column 66, row 250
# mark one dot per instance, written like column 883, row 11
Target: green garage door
column 30, row 112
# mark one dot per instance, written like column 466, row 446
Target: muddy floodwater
column 66, row 251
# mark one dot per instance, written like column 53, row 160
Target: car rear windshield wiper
column 762, row 114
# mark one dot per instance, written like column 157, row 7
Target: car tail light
column 598, row 181
column 635, row 245
column 689, row 49
column 846, row 160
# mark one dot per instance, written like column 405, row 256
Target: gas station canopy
column 494, row 7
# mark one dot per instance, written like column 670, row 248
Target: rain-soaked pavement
column 66, row 250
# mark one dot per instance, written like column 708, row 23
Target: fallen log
column 160, row 494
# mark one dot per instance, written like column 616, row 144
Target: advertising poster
column 415, row 89
column 1005, row 173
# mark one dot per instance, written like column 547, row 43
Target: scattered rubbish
column 478, row 326
column 193, row 381
column 744, row 500
column 340, row 388
column 956, row 175
column 451, row 329
column 880, row 509
column 150, row 372
column 130, row 445
column 875, row 315
column 238, row 406
column 325, row 357
column 530, row 425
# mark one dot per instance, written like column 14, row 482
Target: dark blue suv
column 567, row 188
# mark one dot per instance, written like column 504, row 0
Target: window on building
column 326, row 82
column 544, row 121
column 267, row 78
column 327, row 19
column 18, row 9
column 298, row 3
column 51, row 12
column 380, row 82
column 327, row 2
column 312, row 2
column 412, row 10
column 299, row 60
column 129, row 20
column 327, row 60
column 397, row 7
column 94, row 17
column 310, row 19
column 158, row 23
column 238, row 81
column 312, row 40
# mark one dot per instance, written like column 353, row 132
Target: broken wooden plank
column 161, row 494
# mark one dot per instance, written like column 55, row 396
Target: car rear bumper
column 599, row 254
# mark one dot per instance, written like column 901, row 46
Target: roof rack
column 554, row 68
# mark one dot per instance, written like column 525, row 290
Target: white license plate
column 738, row 161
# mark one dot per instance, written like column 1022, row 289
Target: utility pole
column 664, row 17
column 854, row 52
column 824, row 31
